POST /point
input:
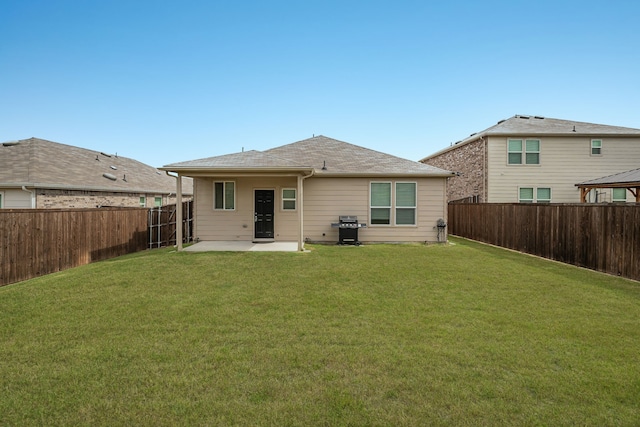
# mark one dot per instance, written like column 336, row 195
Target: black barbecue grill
column 348, row 229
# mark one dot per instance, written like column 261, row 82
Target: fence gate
column 162, row 225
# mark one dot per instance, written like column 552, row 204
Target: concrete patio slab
column 244, row 246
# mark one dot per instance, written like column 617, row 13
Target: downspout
column 301, row 179
column 178, row 209
column 33, row 196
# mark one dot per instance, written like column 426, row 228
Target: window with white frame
column 523, row 151
column 405, row 203
column 143, row 201
column 525, row 195
column 619, row 195
column 157, row 201
column 288, row 199
column 596, row 147
column 224, row 195
column 543, row 195
column 380, row 203
column 534, row 195
column 1, row 200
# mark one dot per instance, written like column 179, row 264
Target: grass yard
column 393, row 335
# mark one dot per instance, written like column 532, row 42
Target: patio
column 242, row 246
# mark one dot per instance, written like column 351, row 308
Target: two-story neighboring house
column 538, row 159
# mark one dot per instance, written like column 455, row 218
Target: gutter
column 447, row 174
column 85, row 188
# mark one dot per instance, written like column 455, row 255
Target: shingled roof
column 40, row 163
column 325, row 156
column 521, row 125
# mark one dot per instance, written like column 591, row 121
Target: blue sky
column 168, row 81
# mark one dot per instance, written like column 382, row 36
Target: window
column 402, row 201
column 1, row 200
column 542, row 195
column 515, row 151
column 157, row 201
column 288, row 199
column 143, row 201
column 380, row 203
column 405, row 203
column 596, row 147
column 532, row 151
column 530, row 148
column 526, row 195
column 224, row 195
column 619, row 195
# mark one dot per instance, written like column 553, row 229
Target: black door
column 264, row 214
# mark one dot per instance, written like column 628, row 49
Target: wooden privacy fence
column 600, row 237
column 34, row 242
column 162, row 225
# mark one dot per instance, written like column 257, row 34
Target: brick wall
column 55, row 199
column 468, row 161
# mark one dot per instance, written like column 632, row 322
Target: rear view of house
column 296, row 191
column 539, row 159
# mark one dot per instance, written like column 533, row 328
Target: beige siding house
column 36, row 173
column 296, row 191
column 538, row 159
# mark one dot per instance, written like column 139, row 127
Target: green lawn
column 460, row 334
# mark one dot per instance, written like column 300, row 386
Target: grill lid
column 348, row 218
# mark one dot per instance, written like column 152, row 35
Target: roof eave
column 205, row 170
column 454, row 146
column 35, row 185
column 383, row 175
column 620, row 184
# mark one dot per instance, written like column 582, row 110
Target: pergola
column 629, row 180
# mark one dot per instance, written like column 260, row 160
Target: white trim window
column 406, row 203
column 224, row 195
column 617, row 195
column 380, row 203
column 157, row 202
column 542, row 195
column 596, row 147
column 289, row 199
column 1, row 199
column 143, row 201
column 527, row 151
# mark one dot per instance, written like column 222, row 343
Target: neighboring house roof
column 320, row 154
column 617, row 180
column 40, row 163
column 521, row 125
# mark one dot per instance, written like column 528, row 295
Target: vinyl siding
column 211, row 224
column 16, row 199
column 325, row 199
column 564, row 162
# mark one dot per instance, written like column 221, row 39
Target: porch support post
column 179, row 212
column 583, row 194
column 300, row 215
column 636, row 193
